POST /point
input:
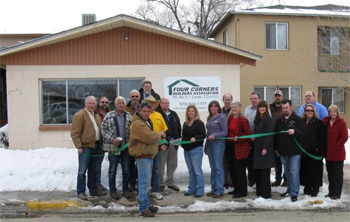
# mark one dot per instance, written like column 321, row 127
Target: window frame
column 287, row 35
column 225, row 37
column 263, row 97
column 41, row 108
column 333, row 93
column 330, row 33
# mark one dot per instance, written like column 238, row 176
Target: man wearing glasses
column 133, row 105
column 102, row 109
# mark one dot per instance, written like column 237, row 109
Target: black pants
column 237, row 170
column 250, row 164
column 335, row 177
column 263, row 184
column 132, row 171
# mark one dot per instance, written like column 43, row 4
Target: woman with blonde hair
column 193, row 130
column 238, row 125
column 311, row 170
column 336, row 135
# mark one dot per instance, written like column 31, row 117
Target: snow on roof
column 325, row 11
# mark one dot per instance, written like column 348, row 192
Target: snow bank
column 51, row 169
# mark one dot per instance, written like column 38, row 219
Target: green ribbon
column 309, row 154
column 178, row 143
column 122, row 148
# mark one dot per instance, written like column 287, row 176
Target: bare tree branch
column 200, row 16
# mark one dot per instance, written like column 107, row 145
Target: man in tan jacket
column 86, row 136
column 144, row 147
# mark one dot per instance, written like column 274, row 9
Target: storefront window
column 62, row 99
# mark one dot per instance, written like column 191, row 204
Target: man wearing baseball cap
column 276, row 112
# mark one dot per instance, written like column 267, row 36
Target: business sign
column 199, row 91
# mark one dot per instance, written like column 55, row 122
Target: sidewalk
column 34, row 203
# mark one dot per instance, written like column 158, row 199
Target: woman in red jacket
column 337, row 135
column 238, row 125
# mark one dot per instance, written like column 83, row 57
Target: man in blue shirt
column 310, row 99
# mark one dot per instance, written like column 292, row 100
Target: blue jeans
column 90, row 164
column 155, row 172
column 100, row 160
column 113, row 166
column 215, row 151
column 144, row 169
column 193, row 160
column 291, row 166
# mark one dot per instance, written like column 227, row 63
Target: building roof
column 287, row 10
column 122, row 21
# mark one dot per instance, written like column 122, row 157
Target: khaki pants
column 169, row 157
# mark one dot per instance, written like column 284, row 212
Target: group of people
column 143, row 136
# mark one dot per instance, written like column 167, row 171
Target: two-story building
column 303, row 48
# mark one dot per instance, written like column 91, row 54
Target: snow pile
column 51, row 169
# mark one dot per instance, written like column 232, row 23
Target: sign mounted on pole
column 183, row 91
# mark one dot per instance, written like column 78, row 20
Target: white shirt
column 92, row 117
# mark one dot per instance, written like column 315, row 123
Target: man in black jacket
column 288, row 149
column 147, row 91
column 169, row 156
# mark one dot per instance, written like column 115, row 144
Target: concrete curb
column 51, row 205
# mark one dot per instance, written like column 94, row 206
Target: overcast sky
column 49, row 16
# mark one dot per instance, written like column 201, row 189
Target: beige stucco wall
column 296, row 66
column 23, row 85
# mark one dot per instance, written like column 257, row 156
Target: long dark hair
column 215, row 103
column 258, row 115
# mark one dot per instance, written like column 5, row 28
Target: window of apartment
column 330, row 41
column 276, row 36
column 292, row 93
column 333, row 96
column 225, row 37
column 61, row 99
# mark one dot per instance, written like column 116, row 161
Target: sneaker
column 284, row 184
column 174, row 188
column 82, row 196
column 115, row 196
column 147, row 213
column 101, row 188
column 157, row 196
column 161, row 188
column 127, row 194
column 98, row 194
column 276, row 183
column 153, row 209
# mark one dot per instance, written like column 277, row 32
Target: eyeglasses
column 309, row 110
column 134, row 96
